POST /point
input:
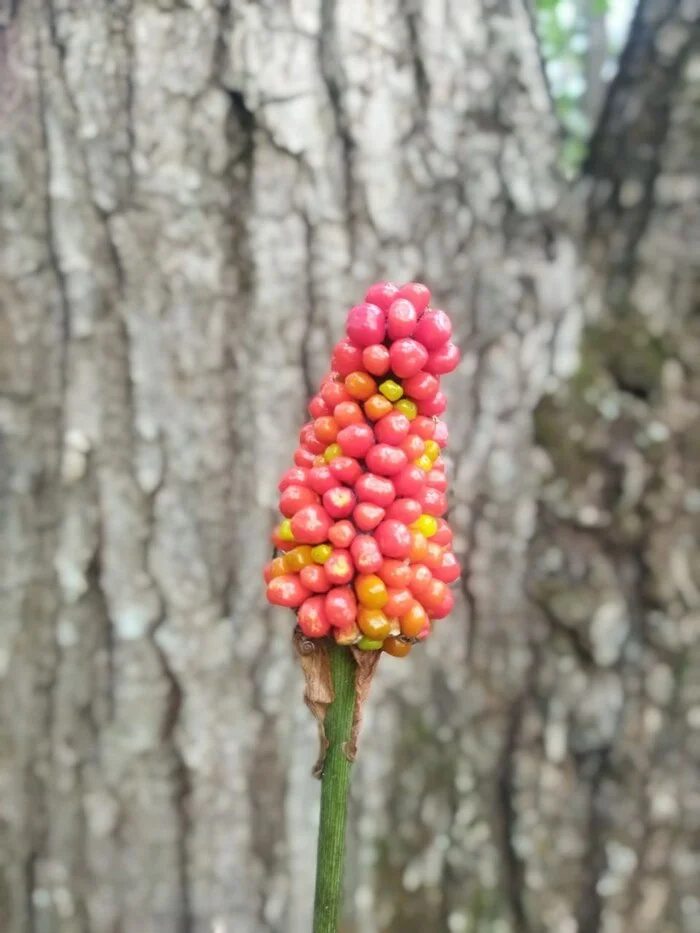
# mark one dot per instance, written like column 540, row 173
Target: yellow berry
column 373, row 623
column 298, row 558
column 432, row 449
column 285, row 530
column 391, row 390
column 407, row 407
column 371, row 591
column 332, row 451
column 424, row 462
column 426, row 524
column 321, row 553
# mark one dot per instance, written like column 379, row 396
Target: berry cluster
column 367, row 553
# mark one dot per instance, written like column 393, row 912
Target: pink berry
column 367, row 515
column 317, row 407
column 407, row 357
column 375, row 489
column 339, row 502
column 409, row 481
column 448, row 571
column 385, row 460
column 392, row 428
column 310, row 525
column 432, row 500
column 375, row 359
column 401, row 319
column 346, row 358
column 308, row 438
column 321, row 479
column 287, row 590
column 436, row 479
column 417, row 293
column 295, row 476
column 341, row 607
column 304, row 458
column 366, row 554
column 445, row 607
column 341, row 533
column 421, row 386
column 442, row 434
column 443, row 536
column 365, row 325
column 434, row 406
column 381, row 294
column 405, row 510
column 433, row 329
column 443, row 360
column 345, row 470
column 355, row 440
column 312, row 617
column 294, row 498
column 394, row 539
column 315, row 578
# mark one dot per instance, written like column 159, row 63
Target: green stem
column 334, row 794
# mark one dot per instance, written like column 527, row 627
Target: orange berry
column 326, row 429
column 377, row 406
column 295, row 560
column 274, row 569
column 360, row 385
column 348, row 413
column 373, row 623
column 333, row 393
column 371, row 591
column 421, row 579
column 395, row 573
column 433, row 556
column 398, row 603
column 433, row 595
column 419, row 546
column 396, row 647
column 414, row 621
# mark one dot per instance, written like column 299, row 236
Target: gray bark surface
column 193, row 194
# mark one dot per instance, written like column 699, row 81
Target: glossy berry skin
column 356, row 440
column 385, row 460
column 310, row 525
column 414, row 621
column 417, row 293
column 396, row 647
column 395, row 573
column 287, row 590
column 369, row 644
column 423, row 426
column 446, row 607
column 398, row 603
column 326, row 429
column 294, row 498
column 405, row 510
column 401, row 319
column 426, row 524
column 317, row 407
column 366, row 555
column 321, row 479
column 420, row 387
column 382, row 294
column 434, row 329
column 406, row 407
column 371, row 591
column 432, row 597
column 373, row 623
column 309, row 441
column 339, row 502
column 433, row 501
column 379, row 490
column 413, row 446
column 443, row 535
column 279, row 542
column 366, row 324
column 448, row 570
column 442, row 435
column 274, row 569
column 345, row 470
column 321, row 553
column 341, row 534
column 392, row 428
column 407, row 357
column 346, row 413
column 433, row 556
column 377, row 406
column 360, row 385
column 333, row 393
column 339, row 567
column 312, row 617
column 341, row 607
column 375, row 359
column 297, row 558
column 434, row 406
column 347, row 357
column 419, row 547
column 296, row 476
column 349, row 635
column 409, row 481
column 421, row 578
column 367, row 516
column 394, row 539
column 436, row 479
column 443, row 360
column 304, row 458
column 391, row 390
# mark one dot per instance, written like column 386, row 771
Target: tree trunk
column 193, row 195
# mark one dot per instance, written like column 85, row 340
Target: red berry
column 443, row 536
column 433, row 329
column 395, row 573
column 448, row 571
column 334, row 393
column 345, row 470
column 304, row 458
column 381, row 294
column 318, row 407
column 355, row 440
column 296, row 476
column 398, row 604
column 375, row 489
column 421, row 578
column 308, row 438
column 294, row 498
column 348, row 413
column 443, row 360
column 315, row 578
column 365, row 325
column 423, row 426
column 341, row 534
column 413, row 446
column 326, row 430
column 433, row 406
column 409, row 481
column 401, row 319
column 421, row 386
column 312, row 618
column 405, row 510
column 394, row 539
column 415, row 621
column 341, row 607
column 339, row 501
column 287, row 590
column 375, row 359
column 433, row 556
column 346, row 357
column 436, row 479
column 310, row 525
column 432, row 500
column 392, row 428
column 366, row 554
column 417, row 293
column 339, row 567
column 385, row 460
column 367, row 516
column 445, row 607
column 407, row 357
column 321, row 479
